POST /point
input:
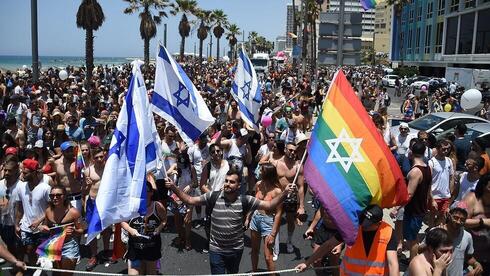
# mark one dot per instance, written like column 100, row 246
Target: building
column 368, row 18
column 382, row 28
column 290, row 24
column 436, row 34
column 280, row 44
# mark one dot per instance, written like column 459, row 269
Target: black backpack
column 212, row 202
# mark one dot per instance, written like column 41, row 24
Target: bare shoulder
column 418, row 266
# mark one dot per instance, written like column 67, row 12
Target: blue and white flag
column 246, row 91
column 176, row 99
column 132, row 153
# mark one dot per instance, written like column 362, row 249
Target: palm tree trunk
column 217, row 48
column 210, row 46
column 147, row 52
column 201, row 42
column 182, row 48
column 89, row 56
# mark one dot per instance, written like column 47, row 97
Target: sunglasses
column 55, row 195
column 216, row 152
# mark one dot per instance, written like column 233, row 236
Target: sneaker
column 275, row 257
column 91, row 264
column 2, row 261
column 290, row 248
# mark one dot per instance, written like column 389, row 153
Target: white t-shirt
column 198, row 157
column 263, row 150
column 216, row 178
column 465, row 186
column 403, row 143
column 7, row 196
column 33, row 202
column 441, row 173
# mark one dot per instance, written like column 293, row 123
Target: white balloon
column 471, row 99
column 63, row 75
column 24, row 67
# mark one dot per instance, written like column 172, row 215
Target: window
column 410, row 16
column 466, row 33
column 419, row 13
column 483, row 33
column 417, row 40
column 440, row 8
column 454, row 6
column 429, row 10
column 439, row 32
column 409, row 39
column 469, row 4
column 451, row 35
column 428, row 35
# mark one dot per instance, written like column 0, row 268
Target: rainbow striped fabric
column 79, row 163
column 52, row 247
column 349, row 165
column 368, row 4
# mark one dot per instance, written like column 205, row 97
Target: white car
column 389, row 80
column 417, row 85
column 438, row 122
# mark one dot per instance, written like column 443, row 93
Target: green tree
column 220, row 23
column 206, row 18
column 89, row 17
column 186, row 7
column 398, row 5
column 233, row 31
column 149, row 21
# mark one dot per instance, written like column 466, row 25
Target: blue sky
column 119, row 35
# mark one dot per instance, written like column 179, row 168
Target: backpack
column 212, row 202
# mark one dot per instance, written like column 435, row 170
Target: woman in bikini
column 61, row 216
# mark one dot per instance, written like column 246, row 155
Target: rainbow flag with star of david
column 368, row 4
column 349, row 166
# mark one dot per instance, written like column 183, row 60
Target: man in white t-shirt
column 468, row 179
column 199, row 157
column 32, row 197
column 7, row 202
column 442, row 170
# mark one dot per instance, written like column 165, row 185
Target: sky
column 119, row 35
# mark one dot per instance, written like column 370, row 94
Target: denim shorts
column 34, row 239
column 261, row 223
column 70, row 250
column 411, row 226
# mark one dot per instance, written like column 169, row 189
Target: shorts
column 442, row 204
column 89, row 209
column 261, row 223
column 7, row 232
column 323, row 234
column 411, row 226
column 32, row 239
column 70, row 250
column 137, row 263
column 77, row 202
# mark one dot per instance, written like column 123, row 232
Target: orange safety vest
column 355, row 262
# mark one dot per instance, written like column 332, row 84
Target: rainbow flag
column 368, row 4
column 349, row 166
column 79, row 163
column 52, row 247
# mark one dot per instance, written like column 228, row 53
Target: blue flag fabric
column 132, row 153
column 246, row 91
column 176, row 99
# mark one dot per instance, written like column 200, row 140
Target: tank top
column 418, row 205
column 147, row 247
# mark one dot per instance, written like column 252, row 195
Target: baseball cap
column 94, row 141
column 371, row 215
column 404, row 125
column 31, row 164
column 66, row 145
column 10, row 150
column 39, row 144
column 301, row 137
column 243, row 132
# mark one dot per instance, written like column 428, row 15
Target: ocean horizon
column 17, row 62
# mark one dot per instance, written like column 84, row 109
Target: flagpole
column 61, row 226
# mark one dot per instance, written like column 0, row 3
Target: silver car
column 475, row 130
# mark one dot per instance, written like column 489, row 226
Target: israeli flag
column 246, row 91
column 132, row 153
column 176, row 99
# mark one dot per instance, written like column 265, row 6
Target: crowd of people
column 233, row 178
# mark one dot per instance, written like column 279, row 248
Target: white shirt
column 465, row 186
column 198, row 157
column 34, row 202
column 441, row 173
column 216, row 178
column 7, row 196
column 403, row 143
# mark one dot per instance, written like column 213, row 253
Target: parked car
column 416, row 78
column 430, row 84
column 389, row 80
column 474, row 131
column 439, row 122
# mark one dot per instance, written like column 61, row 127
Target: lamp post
column 35, row 57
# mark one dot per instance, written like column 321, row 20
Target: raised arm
column 187, row 199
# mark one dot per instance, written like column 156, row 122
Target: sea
column 20, row 62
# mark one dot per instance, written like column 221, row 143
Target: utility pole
column 165, row 35
column 35, row 57
column 340, row 54
column 305, row 39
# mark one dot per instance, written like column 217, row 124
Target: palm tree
column 233, row 31
column 220, row 21
column 185, row 7
column 399, row 4
column 149, row 22
column 252, row 41
column 313, row 10
column 202, row 32
column 89, row 17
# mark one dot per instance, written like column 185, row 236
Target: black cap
column 371, row 215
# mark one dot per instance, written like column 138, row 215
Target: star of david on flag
column 246, row 91
column 176, row 99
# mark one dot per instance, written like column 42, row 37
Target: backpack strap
column 211, row 203
column 245, row 205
